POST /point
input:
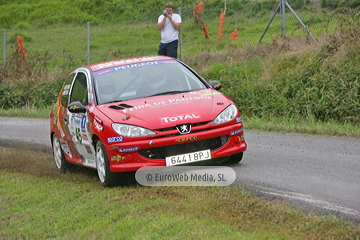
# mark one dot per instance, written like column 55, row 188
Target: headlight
column 131, row 131
column 225, row 116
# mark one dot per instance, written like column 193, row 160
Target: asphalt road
column 313, row 173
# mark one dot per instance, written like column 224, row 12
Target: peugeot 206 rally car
column 121, row 115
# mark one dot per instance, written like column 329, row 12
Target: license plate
column 188, row 158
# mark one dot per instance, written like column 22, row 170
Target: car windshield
column 144, row 80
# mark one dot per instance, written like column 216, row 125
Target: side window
column 66, row 90
column 79, row 91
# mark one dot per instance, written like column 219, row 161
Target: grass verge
column 26, row 112
column 305, row 126
column 37, row 202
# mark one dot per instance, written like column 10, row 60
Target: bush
column 343, row 3
column 322, row 84
column 10, row 97
column 27, row 81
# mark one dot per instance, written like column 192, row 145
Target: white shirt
column 168, row 32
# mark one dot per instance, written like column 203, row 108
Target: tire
column 236, row 158
column 61, row 164
column 107, row 178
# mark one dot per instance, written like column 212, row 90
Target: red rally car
column 121, row 115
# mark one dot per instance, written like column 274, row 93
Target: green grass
column 139, row 35
column 305, row 126
column 37, row 202
column 26, row 112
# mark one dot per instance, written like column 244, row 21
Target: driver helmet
column 156, row 78
column 106, row 89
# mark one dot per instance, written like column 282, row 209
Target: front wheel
column 107, row 178
column 60, row 161
column 236, row 158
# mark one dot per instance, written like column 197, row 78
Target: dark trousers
column 168, row 49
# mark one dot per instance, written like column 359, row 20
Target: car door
column 78, row 122
column 61, row 121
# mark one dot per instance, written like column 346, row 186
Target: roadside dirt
column 38, row 161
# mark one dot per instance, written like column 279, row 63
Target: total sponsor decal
column 180, row 117
column 238, row 120
column 115, row 139
column 185, row 139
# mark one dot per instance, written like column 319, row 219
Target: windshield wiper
column 167, row 93
column 113, row 101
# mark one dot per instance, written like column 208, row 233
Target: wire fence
column 139, row 36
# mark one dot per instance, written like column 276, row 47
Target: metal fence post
column 88, row 43
column 4, row 48
column 180, row 36
column 283, row 20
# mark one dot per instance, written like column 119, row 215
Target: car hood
column 168, row 110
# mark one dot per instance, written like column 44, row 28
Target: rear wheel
column 60, row 161
column 107, row 178
column 236, row 158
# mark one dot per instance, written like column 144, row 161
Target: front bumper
column 130, row 156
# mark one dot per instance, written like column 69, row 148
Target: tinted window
column 65, row 90
column 79, row 91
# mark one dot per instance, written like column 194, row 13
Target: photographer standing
column 169, row 23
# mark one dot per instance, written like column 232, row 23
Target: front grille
column 162, row 152
column 174, row 127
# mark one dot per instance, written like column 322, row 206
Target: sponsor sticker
column 180, row 117
column 84, row 137
column 83, row 124
column 129, row 63
column 98, row 124
column 236, row 132
column 75, row 120
column 115, row 139
column 185, row 139
column 117, row 158
column 66, row 149
column 88, row 149
column 128, row 149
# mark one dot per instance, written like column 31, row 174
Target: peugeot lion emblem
column 184, row 128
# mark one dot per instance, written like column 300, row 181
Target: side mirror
column 216, row 85
column 76, row 107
